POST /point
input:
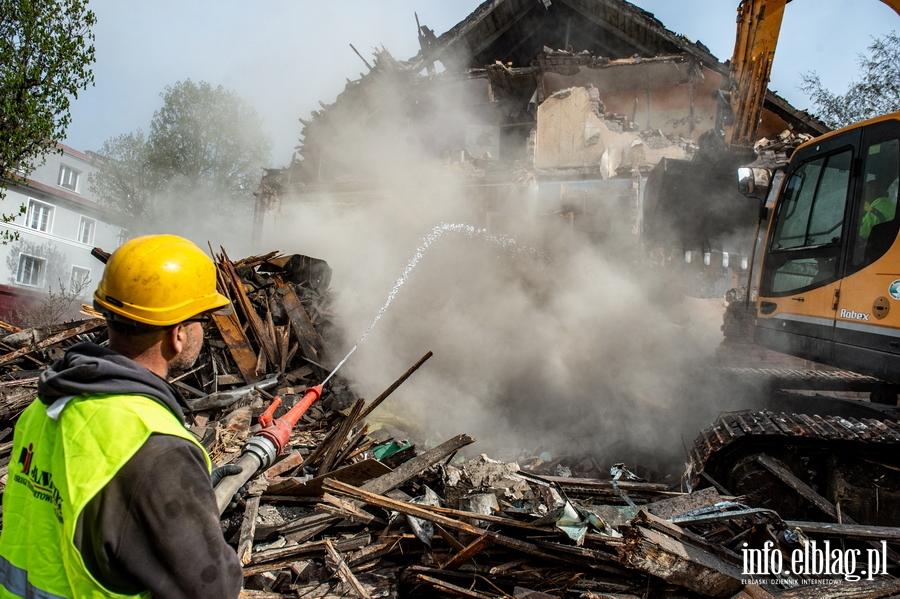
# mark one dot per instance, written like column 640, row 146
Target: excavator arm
column 758, row 28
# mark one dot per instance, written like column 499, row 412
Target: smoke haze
column 544, row 345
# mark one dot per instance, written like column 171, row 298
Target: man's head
column 872, row 191
column 154, row 293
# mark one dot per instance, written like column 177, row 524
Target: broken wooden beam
column 417, row 511
column 387, row 392
column 452, row 588
column 468, row 552
column 856, row 532
column 248, row 528
column 810, row 494
column 344, row 572
column 679, row 563
column 256, row 324
column 311, row 343
column 87, row 325
column 406, row 471
column 804, row 490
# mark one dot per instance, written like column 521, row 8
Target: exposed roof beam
column 607, row 27
column 522, row 40
column 526, row 8
column 679, row 41
column 466, row 27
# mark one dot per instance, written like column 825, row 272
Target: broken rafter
column 259, row 329
column 343, row 570
column 339, row 488
column 88, row 325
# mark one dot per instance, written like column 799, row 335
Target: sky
column 284, row 56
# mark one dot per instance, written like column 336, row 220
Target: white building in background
column 61, row 224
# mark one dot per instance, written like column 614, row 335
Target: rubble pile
column 352, row 510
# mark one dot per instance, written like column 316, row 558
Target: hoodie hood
column 90, row 368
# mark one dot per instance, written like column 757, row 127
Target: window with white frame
column 122, row 237
column 30, row 271
column 86, row 230
column 39, row 216
column 69, row 177
column 80, row 277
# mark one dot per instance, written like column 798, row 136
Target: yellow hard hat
column 159, row 280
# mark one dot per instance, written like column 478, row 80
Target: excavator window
column 877, row 225
column 806, row 243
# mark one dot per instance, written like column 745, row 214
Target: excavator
column 829, row 291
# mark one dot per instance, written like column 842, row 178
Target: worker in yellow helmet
column 108, row 494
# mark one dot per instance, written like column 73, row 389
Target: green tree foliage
column 46, row 53
column 875, row 92
column 127, row 182
column 203, row 157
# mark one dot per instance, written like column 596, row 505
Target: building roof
column 517, row 30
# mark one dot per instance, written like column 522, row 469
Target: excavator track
column 787, row 378
column 853, row 460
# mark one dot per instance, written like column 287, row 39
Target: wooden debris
column 343, row 570
column 322, row 521
column 680, row 563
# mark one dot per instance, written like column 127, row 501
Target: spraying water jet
column 262, row 449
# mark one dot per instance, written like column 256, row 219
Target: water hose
column 262, row 449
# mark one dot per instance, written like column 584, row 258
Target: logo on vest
column 853, row 315
column 39, row 482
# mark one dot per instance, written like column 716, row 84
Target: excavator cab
column 829, row 287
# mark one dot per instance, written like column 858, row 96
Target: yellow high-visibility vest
column 63, row 455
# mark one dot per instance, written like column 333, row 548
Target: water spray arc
column 262, row 449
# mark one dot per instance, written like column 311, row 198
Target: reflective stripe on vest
column 57, row 466
column 15, row 582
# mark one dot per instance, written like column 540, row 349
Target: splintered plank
column 679, row 563
column 311, row 343
column 233, row 334
column 408, row 470
column 248, row 527
column 256, row 324
column 468, row 552
column 87, row 325
column 799, row 486
column 812, row 496
column 452, row 588
column 273, row 559
column 410, row 509
column 238, row 345
column 344, row 572
column 354, row 474
column 337, row 442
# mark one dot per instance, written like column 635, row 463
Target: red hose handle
column 279, row 432
column 296, row 413
column 265, row 419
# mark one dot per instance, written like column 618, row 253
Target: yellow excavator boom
column 758, row 28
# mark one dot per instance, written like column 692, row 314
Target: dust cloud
column 557, row 342
column 548, row 344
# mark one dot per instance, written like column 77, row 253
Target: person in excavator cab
column 108, row 494
column 879, row 206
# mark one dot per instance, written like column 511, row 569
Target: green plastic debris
column 388, row 449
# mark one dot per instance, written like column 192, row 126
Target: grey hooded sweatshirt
column 155, row 525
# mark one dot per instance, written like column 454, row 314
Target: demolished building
column 568, row 111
